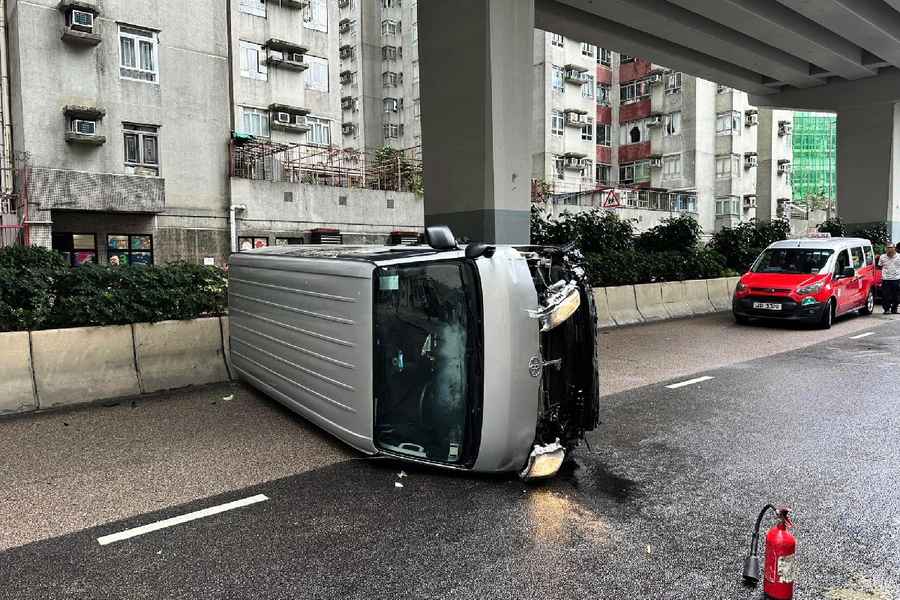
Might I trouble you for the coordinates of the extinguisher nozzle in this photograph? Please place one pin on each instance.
(751, 569)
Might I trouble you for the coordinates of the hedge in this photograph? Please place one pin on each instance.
(38, 290)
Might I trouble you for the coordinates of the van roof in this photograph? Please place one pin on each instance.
(821, 243)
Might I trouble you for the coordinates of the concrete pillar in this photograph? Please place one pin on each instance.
(476, 99)
(868, 166)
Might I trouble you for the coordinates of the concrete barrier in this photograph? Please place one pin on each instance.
(15, 373)
(674, 298)
(173, 354)
(623, 305)
(82, 364)
(718, 294)
(732, 283)
(650, 302)
(604, 320)
(696, 292)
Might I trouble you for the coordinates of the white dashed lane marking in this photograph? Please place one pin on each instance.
(191, 516)
(682, 384)
(862, 335)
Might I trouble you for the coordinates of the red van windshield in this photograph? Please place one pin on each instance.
(796, 261)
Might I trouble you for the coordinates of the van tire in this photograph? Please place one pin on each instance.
(870, 304)
(827, 318)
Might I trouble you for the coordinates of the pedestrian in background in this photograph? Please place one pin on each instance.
(890, 279)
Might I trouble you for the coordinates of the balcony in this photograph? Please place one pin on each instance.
(61, 189)
(575, 74)
(284, 54)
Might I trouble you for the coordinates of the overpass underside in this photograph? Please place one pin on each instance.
(477, 89)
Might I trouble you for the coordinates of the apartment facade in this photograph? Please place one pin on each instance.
(665, 143)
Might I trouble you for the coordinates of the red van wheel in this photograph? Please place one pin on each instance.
(869, 308)
(827, 318)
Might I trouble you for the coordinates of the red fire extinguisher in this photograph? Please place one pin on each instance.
(780, 565)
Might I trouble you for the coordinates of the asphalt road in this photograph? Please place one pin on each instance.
(662, 508)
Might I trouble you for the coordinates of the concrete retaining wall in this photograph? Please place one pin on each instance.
(675, 301)
(604, 319)
(61, 367)
(623, 305)
(650, 302)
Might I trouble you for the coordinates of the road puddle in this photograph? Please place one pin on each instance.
(860, 588)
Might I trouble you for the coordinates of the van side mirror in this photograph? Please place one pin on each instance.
(848, 272)
(440, 237)
(477, 249)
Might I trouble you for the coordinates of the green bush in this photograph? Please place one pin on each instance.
(632, 266)
(39, 291)
(672, 235)
(740, 245)
(592, 231)
(834, 226)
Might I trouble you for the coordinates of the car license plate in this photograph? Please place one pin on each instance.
(767, 305)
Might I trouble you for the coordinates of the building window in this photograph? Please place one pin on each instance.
(642, 170)
(391, 79)
(130, 249)
(138, 50)
(393, 130)
(728, 165)
(390, 27)
(671, 166)
(249, 243)
(587, 88)
(253, 7)
(633, 132)
(319, 131)
(557, 122)
(625, 58)
(141, 149)
(288, 241)
(587, 133)
(254, 121)
(728, 206)
(728, 123)
(603, 173)
(588, 49)
(392, 105)
(391, 52)
(673, 123)
(253, 61)
(557, 79)
(603, 134)
(634, 91)
(602, 94)
(76, 248)
(315, 15)
(673, 83)
(556, 40)
(604, 57)
(317, 74)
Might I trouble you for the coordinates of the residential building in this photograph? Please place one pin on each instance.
(665, 143)
(815, 157)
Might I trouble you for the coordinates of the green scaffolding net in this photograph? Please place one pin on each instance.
(813, 171)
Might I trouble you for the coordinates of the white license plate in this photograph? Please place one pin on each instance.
(767, 305)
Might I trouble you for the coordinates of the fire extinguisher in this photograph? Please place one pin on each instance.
(780, 566)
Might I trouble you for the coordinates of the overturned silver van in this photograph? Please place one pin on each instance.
(480, 358)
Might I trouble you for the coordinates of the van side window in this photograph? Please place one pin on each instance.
(842, 262)
(870, 255)
(858, 257)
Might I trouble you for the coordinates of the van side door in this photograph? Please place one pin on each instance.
(843, 285)
(858, 258)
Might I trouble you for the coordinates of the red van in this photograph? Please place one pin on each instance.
(810, 279)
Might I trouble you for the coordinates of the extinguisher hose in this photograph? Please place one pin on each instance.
(754, 541)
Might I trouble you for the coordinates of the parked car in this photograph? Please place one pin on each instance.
(810, 279)
(482, 358)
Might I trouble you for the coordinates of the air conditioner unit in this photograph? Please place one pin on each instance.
(784, 167)
(297, 57)
(343, 3)
(300, 120)
(655, 79)
(283, 117)
(655, 161)
(750, 161)
(344, 25)
(654, 121)
(785, 128)
(346, 77)
(348, 128)
(752, 119)
(347, 102)
(84, 127)
(749, 201)
(82, 20)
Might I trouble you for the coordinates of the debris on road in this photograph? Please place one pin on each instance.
(397, 484)
(401, 474)
(228, 398)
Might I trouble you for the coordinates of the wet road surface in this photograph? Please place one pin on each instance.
(662, 508)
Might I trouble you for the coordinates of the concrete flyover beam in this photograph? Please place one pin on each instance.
(838, 95)
(650, 302)
(674, 296)
(82, 364)
(173, 354)
(623, 305)
(870, 24)
(15, 373)
(572, 22)
(780, 27)
(698, 33)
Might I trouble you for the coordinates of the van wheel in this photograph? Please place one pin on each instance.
(827, 318)
(869, 308)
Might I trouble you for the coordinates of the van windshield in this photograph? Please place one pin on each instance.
(796, 261)
(427, 360)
